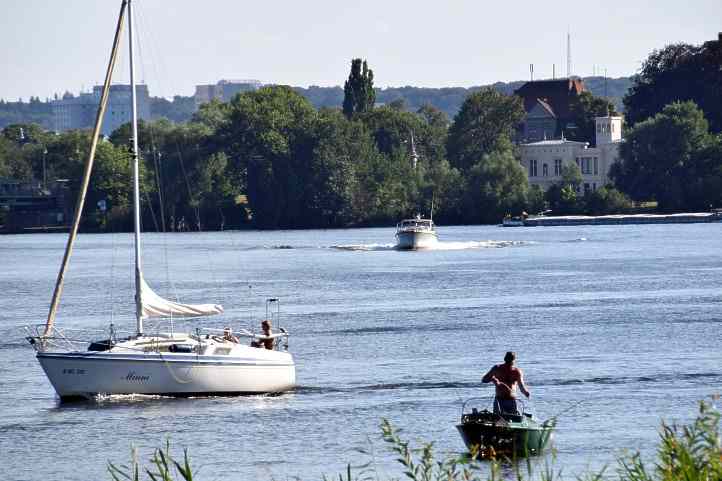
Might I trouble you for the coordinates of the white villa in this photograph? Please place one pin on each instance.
(544, 159)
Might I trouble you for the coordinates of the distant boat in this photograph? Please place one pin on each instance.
(506, 434)
(416, 233)
(515, 221)
(202, 362)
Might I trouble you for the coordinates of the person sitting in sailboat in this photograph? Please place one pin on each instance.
(228, 335)
(267, 339)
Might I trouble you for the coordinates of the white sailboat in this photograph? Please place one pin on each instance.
(204, 362)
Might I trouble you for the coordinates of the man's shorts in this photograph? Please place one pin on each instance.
(505, 406)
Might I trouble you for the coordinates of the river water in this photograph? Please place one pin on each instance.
(627, 319)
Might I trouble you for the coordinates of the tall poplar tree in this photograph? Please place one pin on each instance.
(358, 91)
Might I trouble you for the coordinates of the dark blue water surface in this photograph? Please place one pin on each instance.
(626, 318)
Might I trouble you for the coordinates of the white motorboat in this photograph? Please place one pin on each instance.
(204, 362)
(416, 233)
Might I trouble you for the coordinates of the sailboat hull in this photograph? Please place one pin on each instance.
(85, 374)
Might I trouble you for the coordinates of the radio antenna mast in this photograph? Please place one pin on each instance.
(569, 54)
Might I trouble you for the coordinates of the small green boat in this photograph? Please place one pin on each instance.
(507, 434)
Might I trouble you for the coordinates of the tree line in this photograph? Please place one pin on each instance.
(270, 159)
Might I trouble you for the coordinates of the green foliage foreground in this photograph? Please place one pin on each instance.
(685, 453)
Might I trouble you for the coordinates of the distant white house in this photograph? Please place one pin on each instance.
(544, 159)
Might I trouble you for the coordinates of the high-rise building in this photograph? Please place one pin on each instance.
(224, 90)
(79, 112)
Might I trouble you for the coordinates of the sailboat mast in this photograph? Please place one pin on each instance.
(136, 182)
(86, 174)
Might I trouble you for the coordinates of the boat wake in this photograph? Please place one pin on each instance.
(439, 246)
(364, 247)
(431, 385)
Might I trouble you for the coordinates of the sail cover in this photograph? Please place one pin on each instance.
(155, 306)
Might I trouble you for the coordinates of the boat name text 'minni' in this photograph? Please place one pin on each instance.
(133, 377)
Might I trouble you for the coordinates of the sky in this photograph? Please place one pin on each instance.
(49, 47)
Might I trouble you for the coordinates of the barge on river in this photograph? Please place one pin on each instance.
(618, 219)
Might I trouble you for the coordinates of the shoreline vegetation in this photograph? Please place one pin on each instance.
(269, 159)
(690, 452)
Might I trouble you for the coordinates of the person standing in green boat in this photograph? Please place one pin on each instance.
(506, 377)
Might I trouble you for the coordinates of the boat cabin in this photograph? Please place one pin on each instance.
(415, 224)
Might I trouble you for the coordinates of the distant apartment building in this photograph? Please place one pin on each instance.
(79, 112)
(547, 104)
(544, 159)
(224, 90)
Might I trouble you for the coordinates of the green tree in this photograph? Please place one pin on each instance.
(584, 108)
(495, 186)
(703, 182)
(536, 202)
(606, 200)
(562, 196)
(485, 121)
(340, 148)
(572, 176)
(358, 91)
(270, 143)
(678, 72)
(187, 176)
(214, 114)
(658, 156)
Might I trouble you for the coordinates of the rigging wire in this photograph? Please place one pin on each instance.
(156, 64)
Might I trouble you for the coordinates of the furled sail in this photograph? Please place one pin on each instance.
(155, 306)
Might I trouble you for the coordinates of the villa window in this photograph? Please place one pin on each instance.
(557, 167)
(596, 166)
(532, 168)
(545, 170)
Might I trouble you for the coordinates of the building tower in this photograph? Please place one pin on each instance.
(609, 129)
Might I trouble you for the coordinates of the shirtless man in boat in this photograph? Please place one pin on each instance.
(506, 377)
